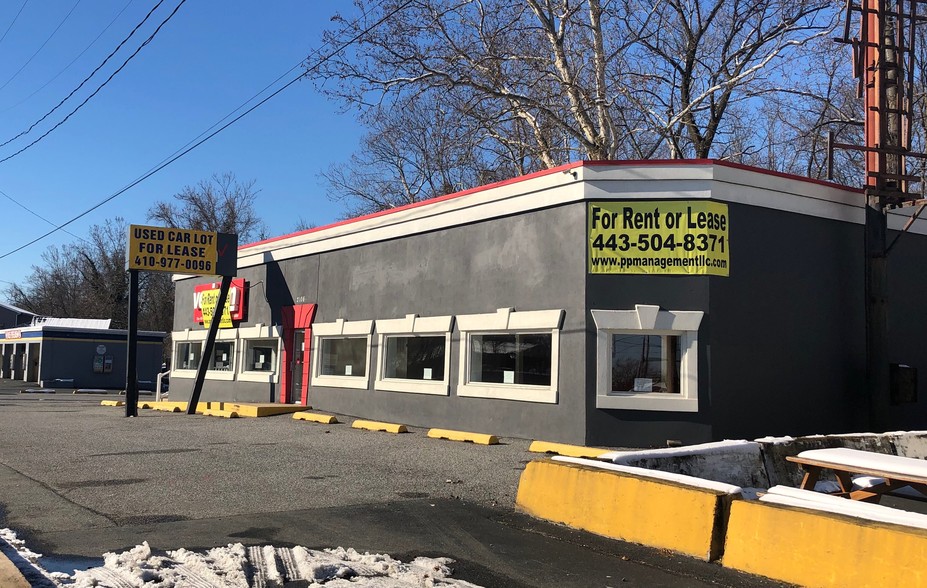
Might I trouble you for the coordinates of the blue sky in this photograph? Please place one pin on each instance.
(211, 57)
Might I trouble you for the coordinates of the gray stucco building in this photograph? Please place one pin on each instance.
(12, 316)
(76, 353)
(614, 303)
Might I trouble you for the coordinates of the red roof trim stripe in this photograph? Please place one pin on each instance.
(553, 170)
(412, 205)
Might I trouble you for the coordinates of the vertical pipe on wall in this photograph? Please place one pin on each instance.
(876, 313)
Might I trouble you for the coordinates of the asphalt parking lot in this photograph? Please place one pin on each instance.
(78, 479)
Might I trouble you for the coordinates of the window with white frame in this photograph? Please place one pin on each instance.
(414, 354)
(187, 355)
(342, 353)
(260, 355)
(510, 355)
(647, 359)
(223, 356)
(344, 356)
(645, 363)
(220, 364)
(260, 345)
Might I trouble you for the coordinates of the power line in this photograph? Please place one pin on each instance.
(101, 86)
(15, 18)
(34, 213)
(37, 51)
(183, 152)
(230, 114)
(73, 61)
(302, 62)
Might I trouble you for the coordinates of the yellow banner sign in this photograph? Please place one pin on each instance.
(181, 251)
(208, 301)
(667, 237)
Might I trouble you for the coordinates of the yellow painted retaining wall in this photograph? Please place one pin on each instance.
(657, 513)
(10, 576)
(819, 549)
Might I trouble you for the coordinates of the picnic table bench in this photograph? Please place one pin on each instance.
(895, 471)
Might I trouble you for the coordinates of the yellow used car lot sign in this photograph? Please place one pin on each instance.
(181, 251)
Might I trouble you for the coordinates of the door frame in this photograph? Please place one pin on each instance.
(296, 317)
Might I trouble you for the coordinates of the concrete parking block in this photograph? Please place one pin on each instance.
(478, 438)
(228, 414)
(260, 409)
(378, 426)
(568, 450)
(325, 419)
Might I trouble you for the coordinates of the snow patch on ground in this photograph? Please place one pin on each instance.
(26, 560)
(237, 566)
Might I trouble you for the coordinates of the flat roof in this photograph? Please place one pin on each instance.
(16, 309)
(37, 331)
(676, 179)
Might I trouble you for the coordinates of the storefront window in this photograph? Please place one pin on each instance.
(511, 358)
(647, 358)
(415, 358)
(646, 363)
(223, 355)
(188, 355)
(344, 357)
(261, 355)
(510, 355)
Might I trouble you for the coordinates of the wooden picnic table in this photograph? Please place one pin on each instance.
(895, 471)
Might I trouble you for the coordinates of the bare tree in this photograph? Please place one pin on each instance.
(220, 204)
(88, 279)
(530, 84)
(816, 96)
(52, 289)
(691, 61)
(918, 166)
(414, 150)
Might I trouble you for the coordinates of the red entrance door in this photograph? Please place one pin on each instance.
(297, 337)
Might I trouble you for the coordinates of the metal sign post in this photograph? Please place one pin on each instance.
(210, 345)
(132, 355)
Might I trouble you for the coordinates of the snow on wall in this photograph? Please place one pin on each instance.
(910, 444)
(788, 496)
(654, 474)
(762, 463)
(739, 463)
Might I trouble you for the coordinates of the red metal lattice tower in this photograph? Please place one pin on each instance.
(883, 63)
